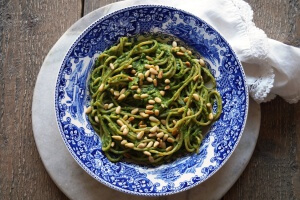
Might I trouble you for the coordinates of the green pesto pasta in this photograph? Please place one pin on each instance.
(151, 100)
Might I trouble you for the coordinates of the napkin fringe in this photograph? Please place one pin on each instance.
(261, 88)
(257, 52)
(259, 47)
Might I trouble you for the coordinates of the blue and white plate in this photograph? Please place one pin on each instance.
(72, 96)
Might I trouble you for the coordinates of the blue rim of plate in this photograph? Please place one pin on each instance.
(209, 171)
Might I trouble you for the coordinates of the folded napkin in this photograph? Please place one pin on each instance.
(272, 68)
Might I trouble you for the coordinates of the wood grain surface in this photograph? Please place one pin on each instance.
(28, 30)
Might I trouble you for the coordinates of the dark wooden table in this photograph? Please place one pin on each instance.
(29, 28)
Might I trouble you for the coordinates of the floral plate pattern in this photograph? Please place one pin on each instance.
(72, 96)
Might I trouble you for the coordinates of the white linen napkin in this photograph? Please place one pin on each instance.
(272, 68)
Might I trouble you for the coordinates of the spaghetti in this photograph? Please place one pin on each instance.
(151, 100)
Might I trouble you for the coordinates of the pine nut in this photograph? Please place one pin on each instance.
(116, 93)
(167, 87)
(156, 67)
(174, 44)
(140, 135)
(143, 96)
(136, 96)
(134, 87)
(167, 81)
(196, 97)
(153, 119)
(144, 115)
(116, 137)
(149, 107)
(141, 76)
(155, 82)
(160, 74)
(171, 140)
(129, 145)
(112, 91)
(133, 71)
(152, 135)
(147, 153)
(147, 73)
(124, 142)
(141, 145)
(149, 144)
(169, 148)
(131, 119)
(186, 99)
(210, 116)
(123, 127)
(139, 90)
(125, 131)
(189, 112)
(156, 112)
(182, 49)
(156, 143)
(142, 125)
(112, 144)
(157, 100)
(88, 110)
(105, 106)
(121, 97)
(118, 109)
(96, 119)
(208, 105)
(134, 111)
(153, 129)
(174, 122)
(196, 78)
(202, 63)
(162, 93)
(165, 137)
(111, 66)
(151, 101)
(149, 58)
(149, 112)
(160, 134)
(149, 79)
(110, 105)
(189, 52)
(153, 71)
(129, 66)
(120, 123)
(123, 91)
(179, 53)
(101, 88)
(188, 64)
(147, 66)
